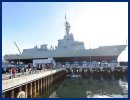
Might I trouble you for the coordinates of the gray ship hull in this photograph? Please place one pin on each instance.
(107, 53)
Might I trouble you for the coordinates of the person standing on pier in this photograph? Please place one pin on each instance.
(13, 72)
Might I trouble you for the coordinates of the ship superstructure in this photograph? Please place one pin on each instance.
(68, 50)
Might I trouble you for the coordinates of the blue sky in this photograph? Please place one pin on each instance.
(37, 23)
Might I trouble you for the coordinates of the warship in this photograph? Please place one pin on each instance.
(68, 50)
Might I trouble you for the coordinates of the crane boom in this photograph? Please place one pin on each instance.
(17, 47)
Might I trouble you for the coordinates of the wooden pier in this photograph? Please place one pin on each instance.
(99, 72)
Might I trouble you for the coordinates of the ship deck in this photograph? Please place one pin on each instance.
(72, 59)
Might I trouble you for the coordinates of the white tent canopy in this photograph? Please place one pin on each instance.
(44, 61)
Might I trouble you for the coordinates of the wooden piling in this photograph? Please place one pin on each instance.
(20, 88)
(30, 90)
(38, 86)
(26, 90)
(35, 89)
(12, 93)
(41, 86)
(45, 83)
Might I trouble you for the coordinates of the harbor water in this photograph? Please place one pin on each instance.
(88, 88)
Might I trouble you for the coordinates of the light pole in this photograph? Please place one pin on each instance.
(90, 53)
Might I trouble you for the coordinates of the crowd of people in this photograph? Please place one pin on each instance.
(24, 70)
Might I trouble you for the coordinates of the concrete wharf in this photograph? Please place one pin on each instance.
(30, 85)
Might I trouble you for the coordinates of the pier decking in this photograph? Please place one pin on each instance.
(41, 80)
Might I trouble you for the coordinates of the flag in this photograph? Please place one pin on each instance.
(65, 16)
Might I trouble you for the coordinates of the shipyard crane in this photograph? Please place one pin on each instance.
(17, 47)
(18, 50)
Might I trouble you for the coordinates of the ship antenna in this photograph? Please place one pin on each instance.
(67, 26)
(65, 17)
(126, 41)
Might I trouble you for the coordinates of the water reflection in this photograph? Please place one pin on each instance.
(89, 88)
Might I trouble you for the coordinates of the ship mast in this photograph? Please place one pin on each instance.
(67, 26)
